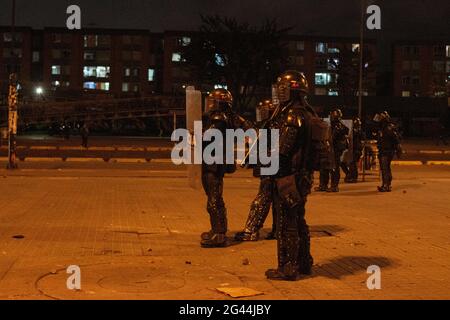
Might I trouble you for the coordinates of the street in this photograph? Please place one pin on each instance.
(133, 229)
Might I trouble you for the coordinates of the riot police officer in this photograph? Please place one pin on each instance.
(294, 178)
(339, 134)
(388, 142)
(220, 116)
(260, 207)
(356, 151)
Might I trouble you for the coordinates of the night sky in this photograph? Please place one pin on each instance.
(401, 19)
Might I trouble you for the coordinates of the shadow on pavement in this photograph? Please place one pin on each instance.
(345, 266)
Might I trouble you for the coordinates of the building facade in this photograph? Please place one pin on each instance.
(127, 63)
(89, 62)
(421, 69)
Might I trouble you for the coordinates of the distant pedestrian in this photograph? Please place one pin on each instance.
(84, 131)
(66, 131)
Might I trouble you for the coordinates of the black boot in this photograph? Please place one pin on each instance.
(333, 189)
(321, 188)
(288, 273)
(247, 236)
(218, 240)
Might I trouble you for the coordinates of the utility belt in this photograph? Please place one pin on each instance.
(294, 189)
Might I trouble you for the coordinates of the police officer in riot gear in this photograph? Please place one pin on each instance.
(339, 144)
(219, 116)
(294, 178)
(388, 142)
(356, 151)
(260, 207)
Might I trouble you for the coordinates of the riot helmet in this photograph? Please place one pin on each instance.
(290, 83)
(219, 98)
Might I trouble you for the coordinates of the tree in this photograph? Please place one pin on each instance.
(244, 58)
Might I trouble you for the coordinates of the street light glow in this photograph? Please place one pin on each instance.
(39, 90)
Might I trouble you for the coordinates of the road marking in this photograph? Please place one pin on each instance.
(158, 149)
(46, 148)
(85, 160)
(102, 149)
(431, 151)
(130, 149)
(128, 160)
(70, 148)
(37, 159)
(438, 163)
(407, 163)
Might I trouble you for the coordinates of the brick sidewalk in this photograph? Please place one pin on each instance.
(138, 238)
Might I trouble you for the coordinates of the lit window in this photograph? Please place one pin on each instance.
(447, 51)
(56, 83)
(103, 86)
(56, 70)
(221, 86)
(321, 47)
(333, 93)
(125, 87)
(185, 41)
(89, 85)
(406, 93)
(176, 57)
(96, 71)
(333, 50)
(323, 79)
(220, 61)
(448, 67)
(151, 74)
(355, 47)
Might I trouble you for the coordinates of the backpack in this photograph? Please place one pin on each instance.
(318, 152)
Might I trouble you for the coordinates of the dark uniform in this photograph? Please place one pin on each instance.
(293, 180)
(220, 116)
(388, 141)
(340, 143)
(260, 207)
(356, 150)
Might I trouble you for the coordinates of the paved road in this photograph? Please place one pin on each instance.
(135, 234)
(146, 148)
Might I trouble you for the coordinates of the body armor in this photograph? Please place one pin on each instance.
(340, 143)
(221, 117)
(260, 207)
(356, 150)
(388, 141)
(293, 181)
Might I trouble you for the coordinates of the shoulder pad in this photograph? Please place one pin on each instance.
(218, 116)
(294, 118)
